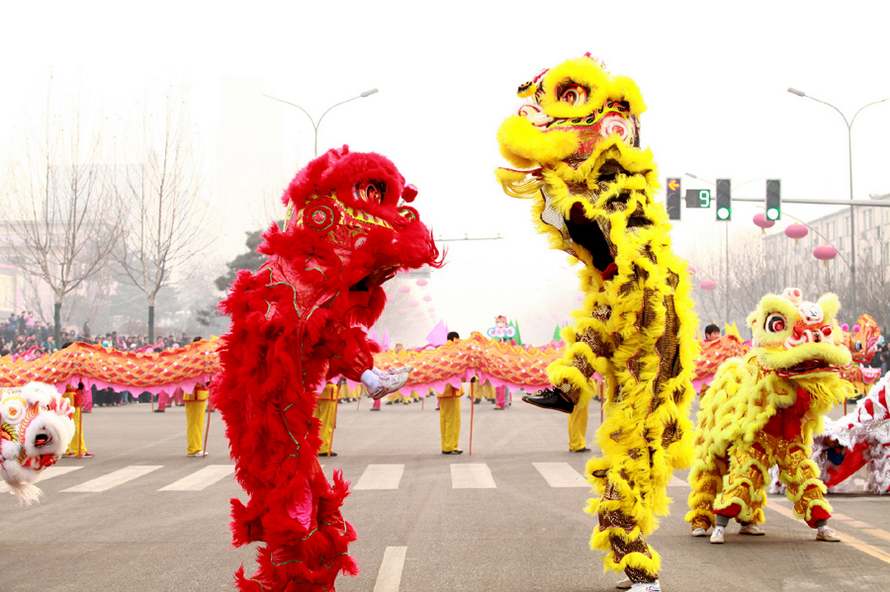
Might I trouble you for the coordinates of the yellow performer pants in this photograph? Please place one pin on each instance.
(449, 418)
(194, 425)
(744, 496)
(78, 445)
(578, 423)
(326, 412)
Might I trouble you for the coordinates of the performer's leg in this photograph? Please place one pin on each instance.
(578, 425)
(706, 483)
(805, 488)
(444, 424)
(454, 433)
(194, 416)
(744, 492)
(324, 411)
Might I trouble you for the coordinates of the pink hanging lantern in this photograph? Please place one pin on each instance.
(796, 231)
(414, 303)
(404, 289)
(825, 253)
(422, 282)
(707, 285)
(427, 298)
(763, 222)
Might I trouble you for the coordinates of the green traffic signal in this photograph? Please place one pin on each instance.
(773, 214)
(724, 213)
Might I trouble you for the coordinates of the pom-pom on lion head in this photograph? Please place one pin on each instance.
(795, 337)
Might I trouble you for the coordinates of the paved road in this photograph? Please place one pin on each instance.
(141, 516)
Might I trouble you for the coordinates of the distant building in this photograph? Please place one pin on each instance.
(872, 244)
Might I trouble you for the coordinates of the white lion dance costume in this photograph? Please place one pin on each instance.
(35, 431)
(860, 438)
(577, 142)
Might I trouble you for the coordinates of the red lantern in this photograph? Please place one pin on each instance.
(707, 285)
(796, 231)
(763, 222)
(825, 253)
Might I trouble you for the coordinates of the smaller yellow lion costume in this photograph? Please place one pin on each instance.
(763, 410)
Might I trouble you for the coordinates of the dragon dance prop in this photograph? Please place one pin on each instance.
(94, 365)
(763, 409)
(713, 354)
(35, 430)
(577, 143)
(297, 321)
(501, 363)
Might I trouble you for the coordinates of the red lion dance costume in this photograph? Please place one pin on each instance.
(297, 321)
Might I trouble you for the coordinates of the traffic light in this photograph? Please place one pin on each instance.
(672, 198)
(773, 199)
(724, 200)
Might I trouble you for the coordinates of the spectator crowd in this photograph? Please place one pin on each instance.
(23, 333)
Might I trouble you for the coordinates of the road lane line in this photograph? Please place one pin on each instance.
(389, 577)
(200, 479)
(471, 476)
(48, 473)
(380, 477)
(846, 538)
(560, 474)
(677, 482)
(113, 479)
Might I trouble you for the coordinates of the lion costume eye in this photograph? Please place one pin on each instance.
(775, 323)
(370, 191)
(12, 411)
(572, 93)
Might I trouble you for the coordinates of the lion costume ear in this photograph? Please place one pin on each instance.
(830, 305)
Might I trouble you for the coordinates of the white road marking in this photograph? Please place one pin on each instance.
(48, 473)
(471, 476)
(381, 477)
(677, 482)
(560, 474)
(200, 479)
(113, 479)
(389, 577)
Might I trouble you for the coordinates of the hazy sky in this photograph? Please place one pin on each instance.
(714, 79)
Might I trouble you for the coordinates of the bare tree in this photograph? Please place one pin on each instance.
(63, 212)
(163, 227)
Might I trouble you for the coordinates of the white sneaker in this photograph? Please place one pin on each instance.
(827, 535)
(646, 587)
(752, 530)
(624, 584)
(699, 532)
(384, 384)
(718, 536)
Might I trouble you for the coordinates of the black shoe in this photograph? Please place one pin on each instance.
(550, 399)
(327, 454)
(457, 452)
(585, 449)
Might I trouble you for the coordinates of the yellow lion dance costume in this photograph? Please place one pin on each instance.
(763, 410)
(577, 141)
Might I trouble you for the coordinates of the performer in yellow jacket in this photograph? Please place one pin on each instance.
(326, 413)
(78, 445)
(195, 408)
(449, 414)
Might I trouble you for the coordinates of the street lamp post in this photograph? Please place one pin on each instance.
(849, 123)
(317, 123)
